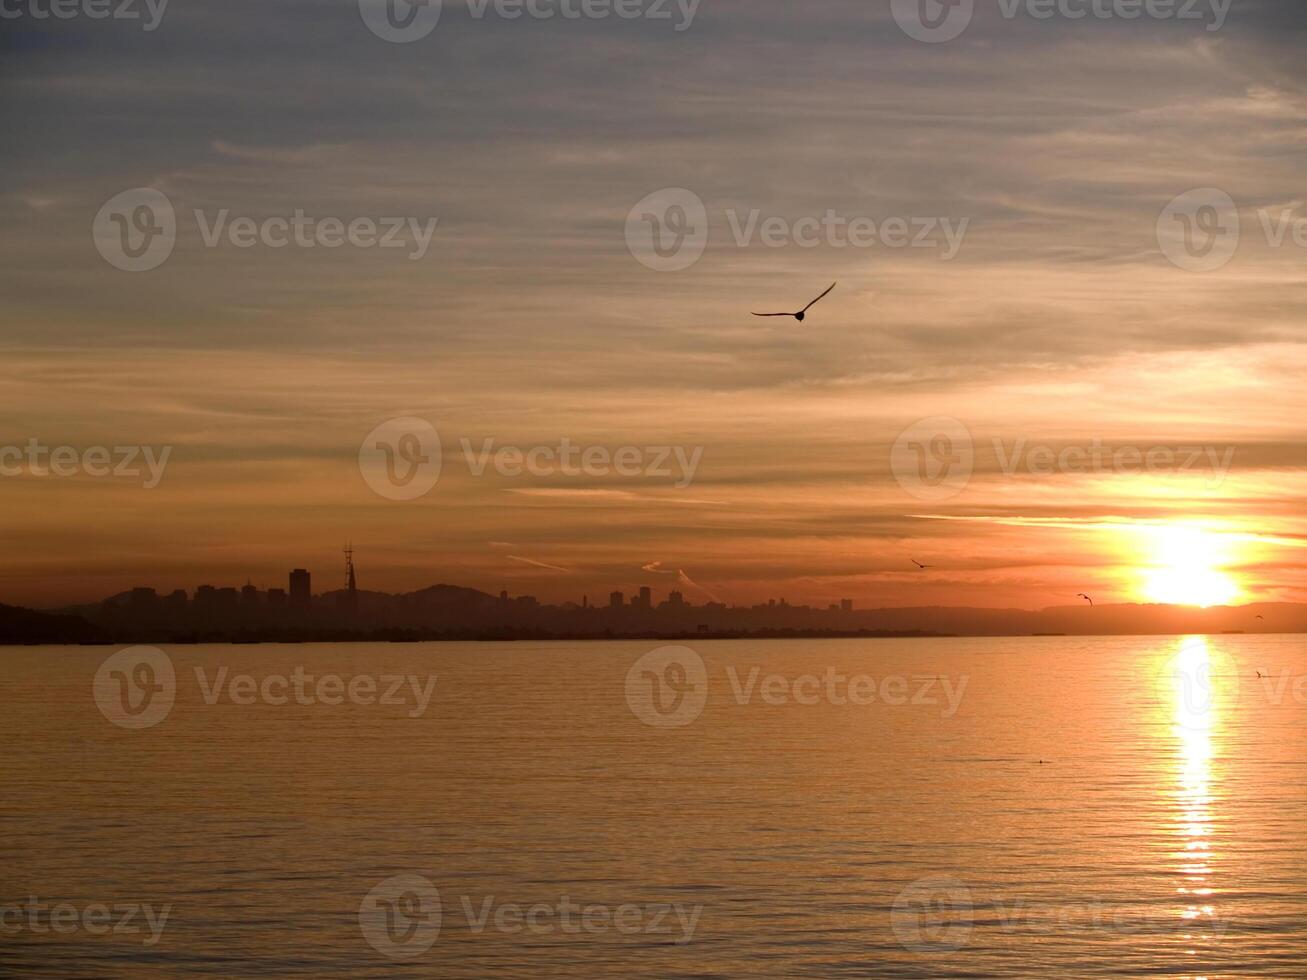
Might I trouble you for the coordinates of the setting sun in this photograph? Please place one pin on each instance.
(1186, 567)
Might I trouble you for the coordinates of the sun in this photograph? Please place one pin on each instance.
(1186, 567)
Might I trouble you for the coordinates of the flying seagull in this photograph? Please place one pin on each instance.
(920, 565)
(803, 312)
(1086, 598)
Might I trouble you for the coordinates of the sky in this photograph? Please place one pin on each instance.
(1028, 378)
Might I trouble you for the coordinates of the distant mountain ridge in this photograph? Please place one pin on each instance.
(22, 626)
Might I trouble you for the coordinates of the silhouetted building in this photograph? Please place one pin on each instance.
(249, 595)
(277, 598)
(646, 598)
(206, 599)
(616, 600)
(300, 588)
(846, 605)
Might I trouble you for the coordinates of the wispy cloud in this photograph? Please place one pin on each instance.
(538, 564)
(529, 320)
(655, 567)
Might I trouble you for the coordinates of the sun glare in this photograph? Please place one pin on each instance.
(1186, 567)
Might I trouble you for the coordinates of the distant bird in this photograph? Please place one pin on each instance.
(802, 314)
(1259, 676)
(1262, 618)
(1086, 598)
(920, 565)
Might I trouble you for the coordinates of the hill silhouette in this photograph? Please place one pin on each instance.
(23, 626)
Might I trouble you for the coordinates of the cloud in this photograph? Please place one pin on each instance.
(538, 564)
(655, 567)
(555, 493)
(1059, 320)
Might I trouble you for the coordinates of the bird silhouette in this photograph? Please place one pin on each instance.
(920, 565)
(1086, 598)
(803, 313)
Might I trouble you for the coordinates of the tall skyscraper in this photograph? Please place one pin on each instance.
(300, 588)
(349, 599)
(646, 597)
(206, 599)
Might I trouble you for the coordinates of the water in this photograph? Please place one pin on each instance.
(1160, 836)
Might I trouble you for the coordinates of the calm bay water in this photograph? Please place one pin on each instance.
(915, 808)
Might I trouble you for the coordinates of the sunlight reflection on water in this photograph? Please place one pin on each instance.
(1083, 806)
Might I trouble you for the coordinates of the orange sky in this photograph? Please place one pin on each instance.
(1060, 322)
